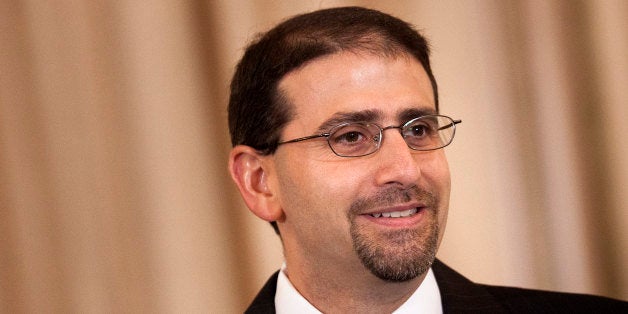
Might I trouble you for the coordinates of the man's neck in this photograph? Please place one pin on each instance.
(350, 290)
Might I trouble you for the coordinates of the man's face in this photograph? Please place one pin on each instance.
(384, 212)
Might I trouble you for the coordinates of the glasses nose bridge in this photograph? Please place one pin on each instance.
(398, 127)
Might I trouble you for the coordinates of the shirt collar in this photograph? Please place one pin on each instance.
(425, 299)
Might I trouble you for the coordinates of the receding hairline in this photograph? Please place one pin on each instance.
(373, 42)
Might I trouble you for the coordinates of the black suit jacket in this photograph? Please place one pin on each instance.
(460, 295)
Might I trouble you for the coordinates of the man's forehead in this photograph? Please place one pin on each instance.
(349, 87)
(347, 57)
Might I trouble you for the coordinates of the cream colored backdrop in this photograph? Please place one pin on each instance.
(114, 194)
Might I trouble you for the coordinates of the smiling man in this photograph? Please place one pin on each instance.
(338, 142)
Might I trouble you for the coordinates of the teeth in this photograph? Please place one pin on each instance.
(396, 214)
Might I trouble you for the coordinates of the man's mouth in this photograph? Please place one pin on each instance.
(396, 214)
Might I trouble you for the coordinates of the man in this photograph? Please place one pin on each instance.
(338, 141)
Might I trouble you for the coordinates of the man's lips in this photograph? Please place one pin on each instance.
(396, 211)
(396, 217)
(396, 214)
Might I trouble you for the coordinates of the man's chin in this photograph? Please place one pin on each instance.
(392, 262)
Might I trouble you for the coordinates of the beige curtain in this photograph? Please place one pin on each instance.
(114, 194)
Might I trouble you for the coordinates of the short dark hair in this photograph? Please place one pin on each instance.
(258, 111)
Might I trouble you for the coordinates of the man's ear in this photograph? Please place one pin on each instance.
(250, 170)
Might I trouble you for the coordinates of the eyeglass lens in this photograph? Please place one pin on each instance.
(424, 133)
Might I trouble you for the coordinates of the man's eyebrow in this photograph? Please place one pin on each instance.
(371, 116)
(347, 117)
(411, 113)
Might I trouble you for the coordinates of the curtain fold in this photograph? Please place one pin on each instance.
(114, 190)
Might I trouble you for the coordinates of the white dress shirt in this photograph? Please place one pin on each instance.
(426, 298)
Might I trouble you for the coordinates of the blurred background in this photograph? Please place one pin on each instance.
(114, 193)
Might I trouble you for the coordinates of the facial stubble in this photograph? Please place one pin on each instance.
(396, 255)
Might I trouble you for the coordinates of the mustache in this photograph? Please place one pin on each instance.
(393, 196)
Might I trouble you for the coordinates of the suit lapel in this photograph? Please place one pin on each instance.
(459, 294)
(264, 302)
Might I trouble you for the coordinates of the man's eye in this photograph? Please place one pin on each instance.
(350, 137)
(419, 130)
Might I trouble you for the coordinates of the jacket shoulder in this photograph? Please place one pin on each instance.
(521, 300)
(460, 295)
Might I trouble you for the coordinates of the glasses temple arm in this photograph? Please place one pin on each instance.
(305, 138)
(450, 125)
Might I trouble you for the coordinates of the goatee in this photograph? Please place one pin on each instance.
(398, 255)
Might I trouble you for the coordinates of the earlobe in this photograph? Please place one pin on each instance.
(250, 171)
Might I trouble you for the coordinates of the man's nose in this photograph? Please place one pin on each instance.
(396, 162)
